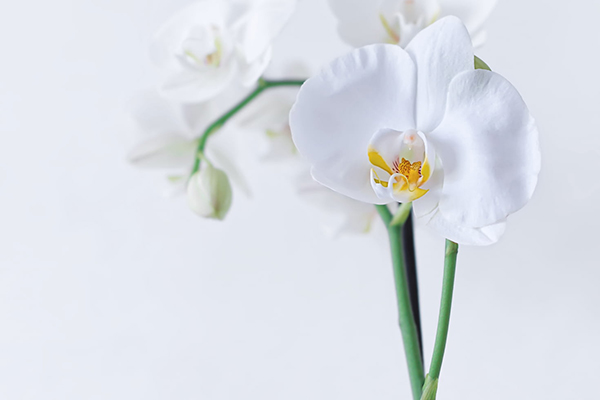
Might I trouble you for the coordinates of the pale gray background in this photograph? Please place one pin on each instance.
(110, 291)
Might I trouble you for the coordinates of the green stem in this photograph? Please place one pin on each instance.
(445, 307)
(218, 124)
(408, 326)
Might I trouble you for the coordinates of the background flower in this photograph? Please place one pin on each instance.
(212, 44)
(397, 21)
(167, 139)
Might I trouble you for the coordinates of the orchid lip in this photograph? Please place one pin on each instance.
(400, 164)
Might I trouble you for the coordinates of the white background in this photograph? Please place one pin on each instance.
(110, 291)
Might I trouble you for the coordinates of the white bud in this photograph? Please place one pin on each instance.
(209, 192)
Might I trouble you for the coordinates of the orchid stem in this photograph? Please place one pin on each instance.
(410, 259)
(445, 309)
(219, 123)
(406, 318)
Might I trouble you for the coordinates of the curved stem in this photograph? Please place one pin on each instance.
(445, 307)
(405, 315)
(218, 124)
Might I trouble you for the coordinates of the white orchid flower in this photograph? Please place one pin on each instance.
(383, 124)
(363, 22)
(213, 44)
(167, 139)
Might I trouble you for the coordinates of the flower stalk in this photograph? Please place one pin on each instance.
(431, 384)
(406, 318)
(219, 123)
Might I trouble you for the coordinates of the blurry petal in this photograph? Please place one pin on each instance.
(340, 214)
(222, 151)
(190, 86)
(166, 151)
(255, 31)
(359, 23)
(250, 73)
(168, 39)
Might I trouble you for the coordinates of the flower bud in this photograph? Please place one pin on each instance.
(209, 192)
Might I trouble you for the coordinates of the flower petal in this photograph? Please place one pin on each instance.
(441, 51)
(488, 145)
(339, 110)
(466, 235)
(168, 39)
(250, 73)
(338, 214)
(223, 152)
(257, 28)
(190, 86)
(473, 13)
(359, 23)
(165, 151)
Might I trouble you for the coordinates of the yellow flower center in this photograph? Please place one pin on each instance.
(411, 171)
(408, 176)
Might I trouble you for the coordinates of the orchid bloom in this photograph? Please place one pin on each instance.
(398, 21)
(213, 44)
(168, 139)
(383, 124)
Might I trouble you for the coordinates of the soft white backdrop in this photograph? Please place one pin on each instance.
(110, 291)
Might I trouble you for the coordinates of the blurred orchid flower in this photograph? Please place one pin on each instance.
(383, 124)
(269, 116)
(169, 138)
(213, 44)
(363, 22)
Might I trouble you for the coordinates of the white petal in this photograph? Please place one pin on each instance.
(479, 38)
(488, 145)
(250, 73)
(473, 13)
(221, 149)
(190, 86)
(466, 235)
(259, 25)
(359, 23)
(166, 151)
(339, 214)
(168, 39)
(339, 110)
(441, 51)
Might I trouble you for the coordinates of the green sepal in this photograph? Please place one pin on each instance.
(480, 64)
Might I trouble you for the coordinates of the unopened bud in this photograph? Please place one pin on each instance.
(209, 192)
